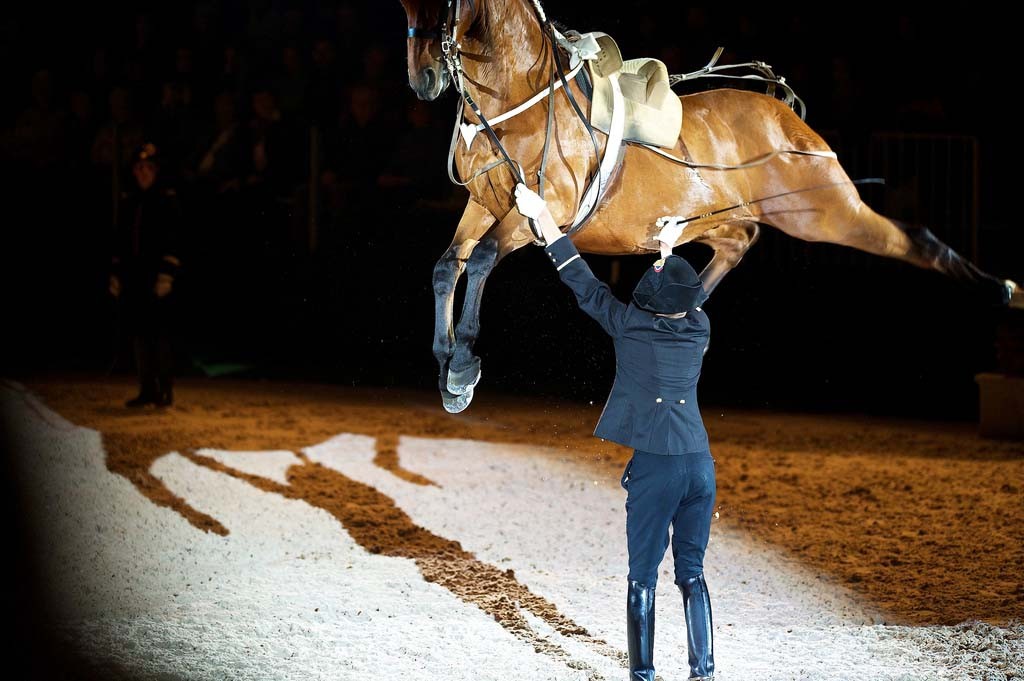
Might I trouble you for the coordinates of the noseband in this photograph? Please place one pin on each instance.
(441, 31)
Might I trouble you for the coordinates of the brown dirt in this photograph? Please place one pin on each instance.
(374, 521)
(922, 519)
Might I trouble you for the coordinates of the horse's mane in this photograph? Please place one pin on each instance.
(562, 28)
(482, 26)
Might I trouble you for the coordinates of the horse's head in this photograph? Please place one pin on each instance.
(427, 19)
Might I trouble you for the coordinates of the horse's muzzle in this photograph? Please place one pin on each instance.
(430, 83)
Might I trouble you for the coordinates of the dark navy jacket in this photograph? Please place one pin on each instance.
(653, 402)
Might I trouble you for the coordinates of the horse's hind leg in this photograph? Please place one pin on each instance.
(730, 242)
(837, 215)
(931, 252)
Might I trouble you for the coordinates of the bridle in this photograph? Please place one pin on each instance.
(440, 29)
(444, 31)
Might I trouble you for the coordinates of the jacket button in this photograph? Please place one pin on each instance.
(682, 401)
(658, 399)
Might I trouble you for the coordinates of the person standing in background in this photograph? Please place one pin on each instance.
(144, 265)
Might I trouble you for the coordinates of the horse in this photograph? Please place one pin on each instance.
(505, 57)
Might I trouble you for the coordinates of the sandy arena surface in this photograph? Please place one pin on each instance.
(271, 530)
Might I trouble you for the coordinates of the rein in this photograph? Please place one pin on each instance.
(760, 160)
(451, 54)
(553, 36)
(744, 204)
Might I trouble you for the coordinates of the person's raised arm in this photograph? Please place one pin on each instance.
(593, 295)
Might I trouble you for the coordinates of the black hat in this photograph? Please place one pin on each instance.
(669, 286)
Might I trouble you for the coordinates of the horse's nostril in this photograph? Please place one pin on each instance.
(431, 77)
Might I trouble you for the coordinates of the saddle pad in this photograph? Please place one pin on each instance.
(654, 113)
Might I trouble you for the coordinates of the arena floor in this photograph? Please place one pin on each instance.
(276, 530)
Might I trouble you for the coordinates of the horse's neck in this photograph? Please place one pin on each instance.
(501, 53)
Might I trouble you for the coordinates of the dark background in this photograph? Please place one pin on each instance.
(919, 99)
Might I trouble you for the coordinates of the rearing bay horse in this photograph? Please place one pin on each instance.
(507, 58)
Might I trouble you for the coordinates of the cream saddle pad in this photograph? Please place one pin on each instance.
(653, 113)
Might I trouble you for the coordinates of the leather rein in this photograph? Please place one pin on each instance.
(452, 56)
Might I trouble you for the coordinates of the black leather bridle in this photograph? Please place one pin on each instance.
(441, 29)
(445, 32)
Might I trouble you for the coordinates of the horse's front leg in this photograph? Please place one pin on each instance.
(475, 222)
(510, 234)
(464, 370)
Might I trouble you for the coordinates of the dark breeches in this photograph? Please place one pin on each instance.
(676, 491)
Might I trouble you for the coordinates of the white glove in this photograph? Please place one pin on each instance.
(672, 229)
(529, 202)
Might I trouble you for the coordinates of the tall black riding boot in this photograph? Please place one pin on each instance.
(164, 367)
(640, 631)
(145, 366)
(164, 392)
(697, 609)
(147, 394)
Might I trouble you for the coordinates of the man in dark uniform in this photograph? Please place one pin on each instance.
(143, 268)
(660, 338)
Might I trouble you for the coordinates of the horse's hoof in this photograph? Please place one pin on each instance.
(1016, 295)
(453, 404)
(462, 382)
